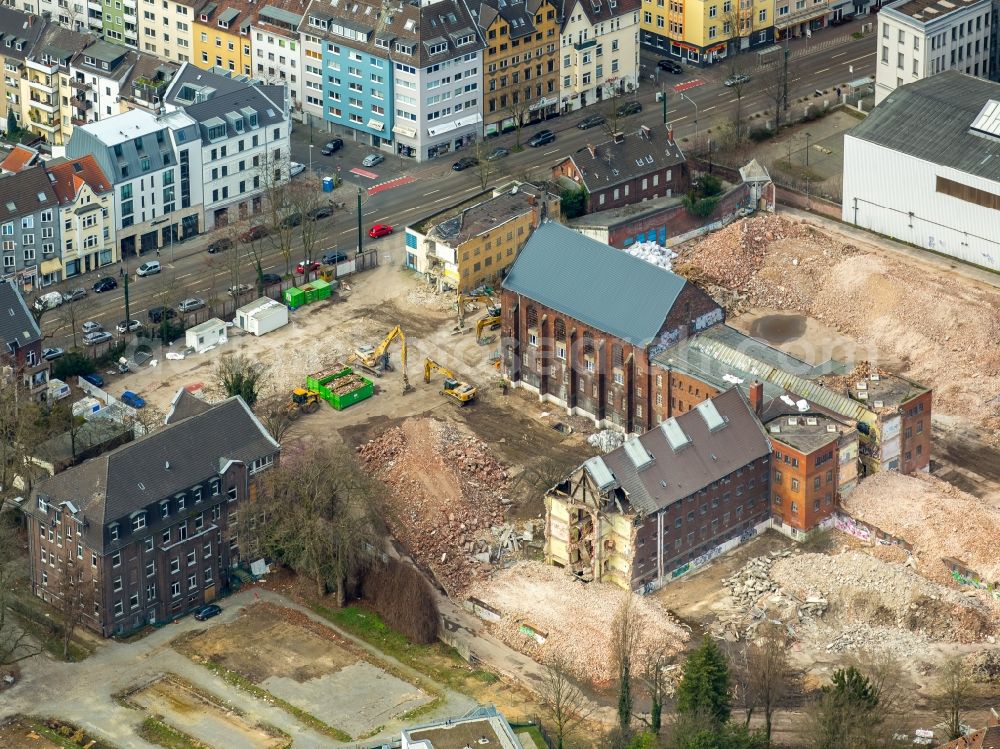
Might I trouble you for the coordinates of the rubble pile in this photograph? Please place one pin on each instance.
(606, 440)
(842, 383)
(985, 666)
(446, 494)
(424, 296)
(938, 519)
(346, 384)
(574, 618)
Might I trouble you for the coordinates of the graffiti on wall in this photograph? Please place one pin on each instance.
(665, 340)
(961, 579)
(708, 319)
(850, 526)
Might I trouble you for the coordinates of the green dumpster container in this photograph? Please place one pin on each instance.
(310, 293)
(323, 289)
(294, 297)
(321, 380)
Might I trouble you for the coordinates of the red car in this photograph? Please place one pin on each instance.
(379, 230)
(311, 265)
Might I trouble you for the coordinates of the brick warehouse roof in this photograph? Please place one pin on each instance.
(594, 283)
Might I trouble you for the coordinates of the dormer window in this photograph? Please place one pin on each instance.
(253, 120)
(113, 531)
(180, 501)
(197, 494)
(165, 508)
(139, 522)
(43, 506)
(216, 486)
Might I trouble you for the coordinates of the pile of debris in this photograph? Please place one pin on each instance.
(446, 494)
(843, 383)
(985, 666)
(606, 440)
(546, 613)
(346, 384)
(424, 296)
(652, 253)
(753, 582)
(938, 519)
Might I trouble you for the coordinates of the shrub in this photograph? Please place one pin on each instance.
(72, 364)
(404, 600)
(758, 134)
(700, 207)
(573, 202)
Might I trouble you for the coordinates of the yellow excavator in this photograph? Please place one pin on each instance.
(492, 305)
(493, 321)
(463, 392)
(303, 401)
(375, 359)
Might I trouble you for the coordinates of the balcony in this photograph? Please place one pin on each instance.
(94, 5)
(43, 82)
(46, 123)
(46, 104)
(80, 85)
(77, 121)
(80, 104)
(586, 44)
(48, 68)
(148, 91)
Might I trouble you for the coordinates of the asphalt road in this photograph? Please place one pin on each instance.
(829, 59)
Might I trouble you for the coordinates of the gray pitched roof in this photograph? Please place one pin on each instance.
(15, 27)
(710, 454)
(184, 405)
(637, 154)
(594, 283)
(177, 457)
(16, 321)
(931, 118)
(450, 21)
(25, 193)
(225, 95)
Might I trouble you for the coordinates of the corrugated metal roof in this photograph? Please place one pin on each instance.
(594, 283)
(931, 120)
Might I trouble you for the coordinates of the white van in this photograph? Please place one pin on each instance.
(48, 301)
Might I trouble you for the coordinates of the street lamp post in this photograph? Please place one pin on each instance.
(311, 146)
(808, 136)
(697, 131)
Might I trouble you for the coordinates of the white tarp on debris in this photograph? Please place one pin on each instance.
(653, 253)
(606, 440)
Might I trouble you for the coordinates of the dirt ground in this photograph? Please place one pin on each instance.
(16, 734)
(189, 712)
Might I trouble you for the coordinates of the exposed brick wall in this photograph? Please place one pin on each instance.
(915, 445)
(674, 179)
(795, 199)
(804, 486)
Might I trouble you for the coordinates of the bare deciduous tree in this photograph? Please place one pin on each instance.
(75, 598)
(275, 416)
(767, 663)
(625, 635)
(952, 691)
(517, 108)
(655, 677)
(566, 705)
(15, 643)
(239, 374)
(485, 169)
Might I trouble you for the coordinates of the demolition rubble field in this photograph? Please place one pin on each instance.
(574, 618)
(446, 494)
(944, 329)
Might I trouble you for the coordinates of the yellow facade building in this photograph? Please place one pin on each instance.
(706, 32)
(222, 36)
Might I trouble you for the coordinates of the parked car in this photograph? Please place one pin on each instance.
(332, 146)
(132, 399)
(148, 268)
(73, 295)
(295, 169)
(670, 66)
(48, 301)
(736, 79)
(105, 284)
(498, 153)
(92, 339)
(379, 230)
(630, 107)
(52, 353)
(239, 289)
(846, 18)
(292, 219)
(208, 612)
(373, 159)
(464, 163)
(541, 138)
(191, 304)
(592, 121)
(323, 211)
(158, 314)
(94, 379)
(92, 327)
(307, 265)
(130, 327)
(270, 279)
(219, 245)
(332, 258)
(254, 232)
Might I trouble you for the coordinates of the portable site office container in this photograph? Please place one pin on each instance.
(203, 337)
(262, 316)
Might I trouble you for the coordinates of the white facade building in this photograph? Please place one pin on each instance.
(276, 51)
(599, 49)
(243, 131)
(924, 168)
(921, 38)
(446, 77)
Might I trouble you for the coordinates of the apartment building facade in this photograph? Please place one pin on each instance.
(166, 29)
(154, 163)
(21, 342)
(276, 50)
(18, 34)
(600, 51)
(86, 202)
(222, 36)
(29, 227)
(243, 131)
(595, 361)
(520, 61)
(705, 32)
(149, 529)
(921, 38)
(438, 95)
(45, 91)
(637, 516)
(97, 75)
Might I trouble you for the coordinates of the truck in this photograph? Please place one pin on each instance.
(48, 301)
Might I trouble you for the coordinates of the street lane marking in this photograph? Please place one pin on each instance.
(546, 153)
(860, 58)
(709, 109)
(431, 192)
(834, 57)
(732, 100)
(370, 213)
(678, 119)
(184, 276)
(724, 93)
(441, 200)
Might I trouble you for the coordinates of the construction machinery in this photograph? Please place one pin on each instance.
(492, 305)
(490, 322)
(303, 401)
(463, 392)
(375, 359)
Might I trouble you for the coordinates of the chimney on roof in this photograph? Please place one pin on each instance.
(757, 398)
(619, 136)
